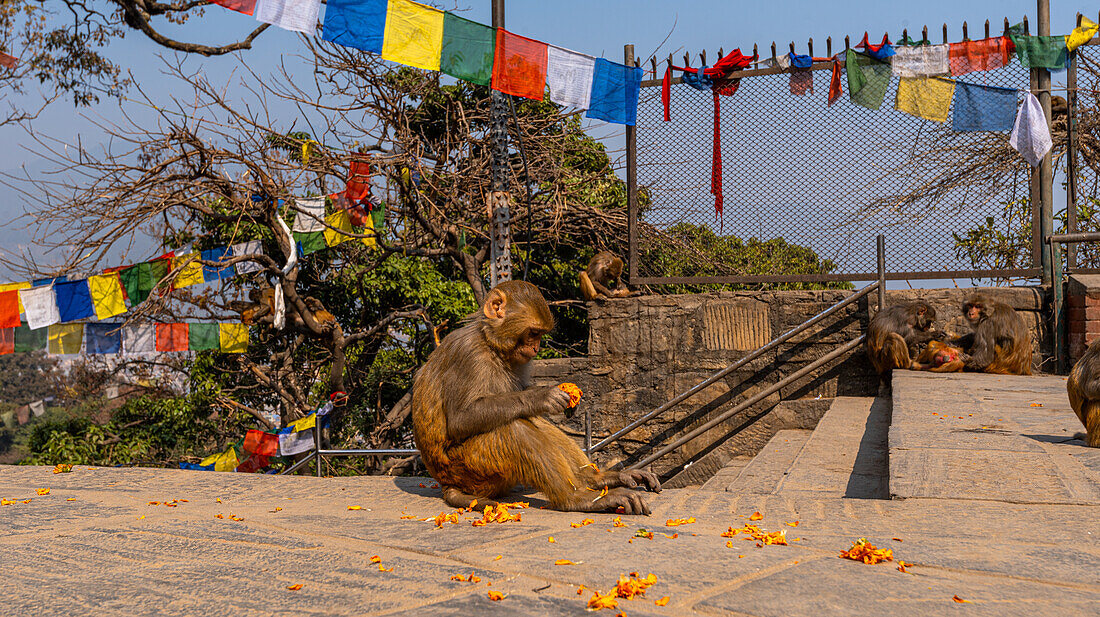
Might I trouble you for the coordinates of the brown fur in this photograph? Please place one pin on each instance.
(1001, 340)
(478, 421)
(894, 334)
(939, 357)
(604, 271)
(1083, 387)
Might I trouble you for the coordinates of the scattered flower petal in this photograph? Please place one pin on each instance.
(642, 533)
(62, 468)
(618, 522)
(867, 553)
(376, 559)
(673, 522)
(498, 557)
(756, 516)
(565, 562)
(382, 568)
(295, 587)
(42, 491)
(584, 522)
(598, 602)
(350, 508)
(958, 599)
(495, 596)
(552, 540)
(500, 514)
(573, 391)
(792, 524)
(663, 601)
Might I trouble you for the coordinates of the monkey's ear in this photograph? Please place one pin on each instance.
(495, 304)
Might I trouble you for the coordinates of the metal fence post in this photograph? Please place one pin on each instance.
(1071, 156)
(1046, 175)
(880, 249)
(631, 186)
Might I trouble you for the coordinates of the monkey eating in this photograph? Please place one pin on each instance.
(940, 357)
(1000, 342)
(1083, 387)
(604, 270)
(894, 335)
(480, 425)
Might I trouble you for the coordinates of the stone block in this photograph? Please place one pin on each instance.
(1075, 301)
(739, 324)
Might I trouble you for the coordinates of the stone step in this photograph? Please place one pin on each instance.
(766, 470)
(988, 437)
(846, 456)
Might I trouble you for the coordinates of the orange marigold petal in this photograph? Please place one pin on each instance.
(756, 516)
(663, 601)
(295, 587)
(495, 596)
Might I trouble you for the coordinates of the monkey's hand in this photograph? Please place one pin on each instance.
(636, 477)
(555, 400)
(624, 501)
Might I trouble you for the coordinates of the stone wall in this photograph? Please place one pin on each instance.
(643, 351)
(1082, 313)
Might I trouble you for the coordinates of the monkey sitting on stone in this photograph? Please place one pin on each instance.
(604, 271)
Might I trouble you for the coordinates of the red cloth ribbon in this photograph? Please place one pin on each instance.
(834, 83)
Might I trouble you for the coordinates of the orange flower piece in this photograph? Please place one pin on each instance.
(565, 562)
(552, 540)
(500, 514)
(642, 533)
(495, 596)
(234, 517)
(618, 522)
(218, 516)
(867, 553)
(792, 524)
(729, 543)
(598, 602)
(518, 505)
(295, 587)
(573, 391)
(153, 503)
(62, 468)
(71, 499)
(584, 522)
(633, 586)
(958, 599)
(458, 577)
(376, 559)
(756, 516)
(498, 557)
(902, 565)
(673, 522)
(42, 491)
(349, 508)
(1036, 404)
(581, 589)
(382, 568)
(663, 601)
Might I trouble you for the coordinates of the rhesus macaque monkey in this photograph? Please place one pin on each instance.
(1001, 341)
(479, 423)
(940, 357)
(895, 333)
(1083, 387)
(603, 270)
(261, 304)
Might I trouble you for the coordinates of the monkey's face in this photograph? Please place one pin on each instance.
(926, 316)
(974, 312)
(527, 346)
(615, 269)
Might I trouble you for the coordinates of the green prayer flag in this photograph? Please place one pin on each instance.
(1047, 52)
(467, 50)
(868, 79)
(203, 336)
(378, 217)
(139, 280)
(29, 340)
(310, 241)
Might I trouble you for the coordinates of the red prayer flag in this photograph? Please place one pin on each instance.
(7, 341)
(253, 463)
(241, 6)
(519, 66)
(983, 55)
(260, 442)
(358, 186)
(834, 83)
(9, 309)
(8, 61)
(172, 337)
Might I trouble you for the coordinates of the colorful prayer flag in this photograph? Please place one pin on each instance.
(297, 437)
(66, 338)
(1046, 52)
(222, 461)
(296, 15)
(8, 61)
(37, 407)
(103, 338)
(1031, 134)
(309, 242)
(214, 273)
(925, 97)
(615, 90)
(357, 187)
(140, 338)
(261, 442)
(74, 300)
(519, 66)
(203, 336)
(834, 83)
(311, 214)
(252, 247)
(922, 61)
(7, 340)
(241, 6)
(233, 338)
(881, 52)
(172, 337)
(356, 23)
(140, 280)
(414, 35)
(16, 287)
(569, 76)
(9, 308)
(40, 305)
(801, 82)
(106, 290)
(29, 340)
(23, 414)
(983, 108)
(189, 268)
(983, 55)
(467, 50)
(1081, 34)
(868, 80)
(338, 221)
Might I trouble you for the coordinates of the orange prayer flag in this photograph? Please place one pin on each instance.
(519, 66)
(172, 337)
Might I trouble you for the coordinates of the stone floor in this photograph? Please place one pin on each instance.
(999, 510)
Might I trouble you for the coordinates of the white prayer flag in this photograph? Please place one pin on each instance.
(569, 76)
(38, 408)
(297, 15)
(140, 338)
(1031, 135)
(295, 443)
(252, 247)
(311, 214)
(40, 306)
(920, 60)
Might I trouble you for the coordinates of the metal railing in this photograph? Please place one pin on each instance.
(318, 453)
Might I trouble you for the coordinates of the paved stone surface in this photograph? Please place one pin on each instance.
(766, 470)
(107, 552)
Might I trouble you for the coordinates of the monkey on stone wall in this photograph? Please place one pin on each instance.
(604, 271)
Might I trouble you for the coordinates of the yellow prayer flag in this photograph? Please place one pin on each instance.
(66, 338)
(191, 273)
(233, 338)
(1081, 34)
(222, 461)
(369, 229)
(338, 220)
(303, 424)
(925, 97)
(107, 295)
(11, 286)
(414, 35)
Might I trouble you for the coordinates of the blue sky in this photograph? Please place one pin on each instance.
(596, 27)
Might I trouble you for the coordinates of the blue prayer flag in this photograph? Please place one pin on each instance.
(44, 282)
(983, 108)
(194, 467)
(800, 61)
(74, 300)
(213, 273)
(615, 92)
(103, 338)
(356, 23)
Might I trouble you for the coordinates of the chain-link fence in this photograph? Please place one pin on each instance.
(813, 184)
(1083, 187)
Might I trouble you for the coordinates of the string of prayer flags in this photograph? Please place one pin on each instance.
(468, 49)
(1047, 52)
(309, 242)
(356, 23)
(65, 338)
(74, 300)
(241, 6)
(1081, 34)
(922, 61)
(800, 61)
(103, 338)
(9, 309)
(172, 337)
(16, 287)
(27, 340)
(413, 34)
(925, 97)
(107, 295)
(140, 338)
(232, 338)
(983, 108)
(337, 222)
(1030, 134)
(615, 89)
(357, 187)
(519, 65)
(38, 407)
(569, 77)
(222, 461)
(295, 15)
(868, 79)
(252, 247)
(23, 414)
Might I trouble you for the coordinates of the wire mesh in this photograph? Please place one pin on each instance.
(1086, 190)
(827, 178)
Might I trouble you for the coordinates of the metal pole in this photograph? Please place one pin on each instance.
(1061, 351)
(1046, 177)
(317, 443)
(880, 247)
(500, 236)
(1071, 155)
(587, 430)
(631, 186)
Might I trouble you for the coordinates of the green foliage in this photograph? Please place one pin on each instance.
(999, 243)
